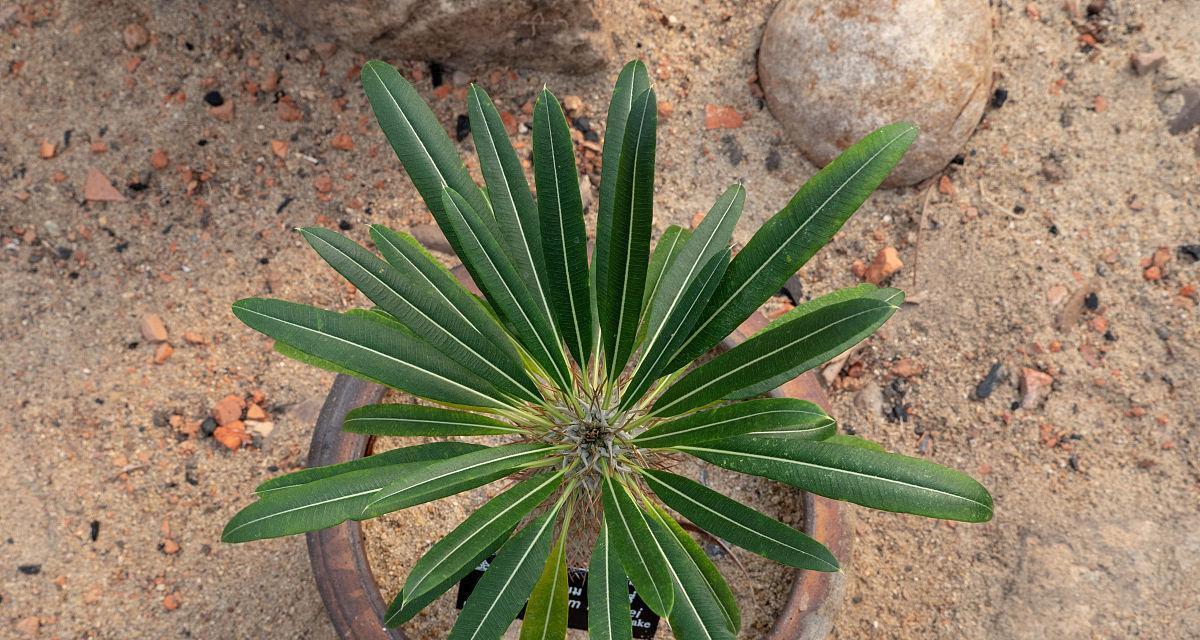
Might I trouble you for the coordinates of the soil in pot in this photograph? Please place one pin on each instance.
(395, 542)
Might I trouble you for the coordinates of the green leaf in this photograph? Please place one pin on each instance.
(454, 475)
(561, 214)
(413, 303)
(406, 420)
(403, 609)
(718, 590)
(697, 612)
(621, 260)
(505, 586)
(665, 251)
(457, 552)
(517, 221)
(792, 236)
(420, 142)
(675, 330)
(362, 346)
(874, 479)
(764, 416)
(608, 592)
(417, 453)
(894, 297)
(792, 347)
(632, 82)
(502, 285)
(546, 613)
(733, 521)
(324, 502)
(414, 262)
(711, 237)
(629, 533)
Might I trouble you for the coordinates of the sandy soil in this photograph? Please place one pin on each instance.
(112, 511)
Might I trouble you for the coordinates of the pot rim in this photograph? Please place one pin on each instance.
(356, 606)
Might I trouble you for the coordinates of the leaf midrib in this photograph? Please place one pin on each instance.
(709, 425)
(471, 467)
(722, 516)
(764, 356)
(471, 536)
(836, 470)
(633, 191)
(746, 282)
(524, 556)
(377, 352)
(562, 234)
(407, 123)
(486, 361)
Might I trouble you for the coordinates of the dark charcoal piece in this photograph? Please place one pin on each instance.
(1092, 301)
(208, 426)
(214, 98)
(999, 97)
(95, 533)
(1190, 252)
(462, 127)
(30, 569)
(988, 384)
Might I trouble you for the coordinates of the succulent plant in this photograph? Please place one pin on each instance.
(585, 371)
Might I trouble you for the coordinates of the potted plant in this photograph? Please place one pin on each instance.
(584, 369)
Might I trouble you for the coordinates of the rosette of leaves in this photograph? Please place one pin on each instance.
(585, 370)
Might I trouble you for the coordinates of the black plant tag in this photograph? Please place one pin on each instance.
(645, 621)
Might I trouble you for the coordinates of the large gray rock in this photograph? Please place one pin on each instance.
(556, 35)
(835, 70)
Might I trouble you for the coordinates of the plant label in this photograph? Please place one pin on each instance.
(645, 621)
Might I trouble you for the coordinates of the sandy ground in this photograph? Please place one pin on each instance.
(112, 512)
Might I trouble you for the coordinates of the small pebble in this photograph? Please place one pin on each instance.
(135, 36)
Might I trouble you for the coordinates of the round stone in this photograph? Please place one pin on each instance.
(835, 70)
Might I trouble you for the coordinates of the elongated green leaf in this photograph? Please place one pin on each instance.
(697, 613)
(561, 214)
(499, 281)
(414, 262)
(608, 592)
(874, 479)
(666, 250)
(460, 548)
(408, 420)
(324, 502)
(505, 586)
(621, 261)
(676, 328)
(796, 346)
(403, 609)
(398, 360)
(629, 533)
(414, 304)
(454, 475)
(419, 141)
(711, 237)
(517, 222)
(718, 590)
(546, 613)
(792, 236)
(417, 453)
(784, 416)
(632, 82)
(740, 525)
(894, 297)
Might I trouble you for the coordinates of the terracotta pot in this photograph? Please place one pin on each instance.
(356, 606)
